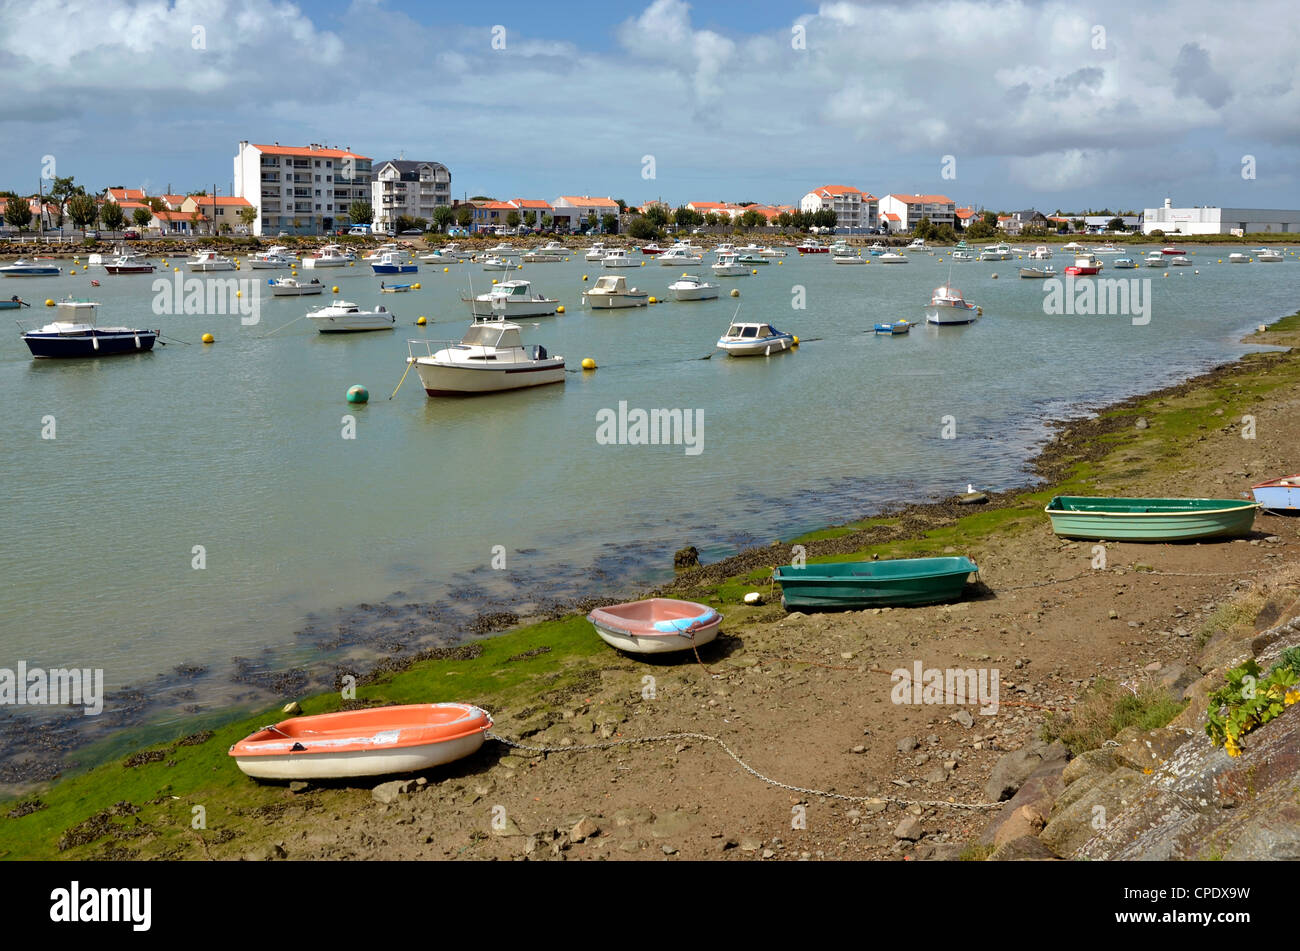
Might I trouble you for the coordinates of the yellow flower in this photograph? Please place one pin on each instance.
(1231, 746)
(1292, 696)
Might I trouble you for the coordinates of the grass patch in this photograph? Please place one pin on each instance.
(1235, 617)
(1108, 708)
(975, 853)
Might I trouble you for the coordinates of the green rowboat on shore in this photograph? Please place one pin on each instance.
(849, 585)
(1149, 520)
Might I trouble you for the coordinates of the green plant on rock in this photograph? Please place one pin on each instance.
(1250, 700)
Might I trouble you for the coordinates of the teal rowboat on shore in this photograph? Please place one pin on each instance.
(1149, 520)
(849, 585)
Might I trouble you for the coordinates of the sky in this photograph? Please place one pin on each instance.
(994, 103)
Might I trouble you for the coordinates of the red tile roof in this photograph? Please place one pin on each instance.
(126, 194)
(588, 201)
(890, 216)
(838, 190)
(924, 199)
(530, 203)
(317, 152)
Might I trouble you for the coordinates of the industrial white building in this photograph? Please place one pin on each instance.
(1212, 220)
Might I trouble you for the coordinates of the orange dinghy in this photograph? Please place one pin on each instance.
(656, 625)
(373, 742)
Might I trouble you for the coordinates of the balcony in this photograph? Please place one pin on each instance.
(272, 177)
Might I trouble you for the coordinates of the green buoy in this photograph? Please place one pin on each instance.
(358, 394)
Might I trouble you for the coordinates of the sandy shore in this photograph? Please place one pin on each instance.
(803, 700)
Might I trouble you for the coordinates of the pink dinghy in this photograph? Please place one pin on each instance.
(656, 625)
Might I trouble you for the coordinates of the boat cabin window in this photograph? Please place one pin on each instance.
(482, 336)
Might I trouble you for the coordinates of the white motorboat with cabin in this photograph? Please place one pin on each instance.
(918, 244)
(329, 256)
(128, 262)
(346, 317)
(379, 252)
(848, 257)
(728, 266)
(617, 257)
(1267, 255)
(893, 257)
(947, 306)
(490, 358)
(1041, 253)
(1153, 259)
(292, 287)
(597, 251)
(996, 252)
(24, 268)
(210, 261)
(511, 299)
(754, 340)
(277, 257)
(611, 291)
(679, 256)
(773, 252)
(691, 287)
(496, 263)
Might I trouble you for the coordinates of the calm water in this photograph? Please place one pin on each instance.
(237, 446)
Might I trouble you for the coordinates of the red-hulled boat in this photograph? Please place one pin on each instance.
(812, 247)
(653, 249)
(1172, 251)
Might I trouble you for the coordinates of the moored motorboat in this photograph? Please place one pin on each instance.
(1172, 251)
(1154, 259)
(13, 303)
(893, 257)
(346, 317)
(497, 263)
(210, 261)
(1084, 264)
(511, 299)
(392, 263)
(1038, 272)
(376, 741)
(754, 340)
(490, 358)
(1149, 520)
(853, 585)
(1180, 260)
(918, 244)
(276, 257)
(848, 258)
(74, 334)
(617, 257)
(1279, 495)
(1236, 257)
(812, 246)
(1267, 255)
(1123, 264)
(128, 263)
(947, 306)
(292, 287)
(24, 268)
(679, 256)
(691, 287)
(329, 256)
(611, 291)
(656, 625)
(996, 252)
(1040, 253)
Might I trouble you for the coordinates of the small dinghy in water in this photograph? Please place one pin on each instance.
(656, 625)
(373, 742)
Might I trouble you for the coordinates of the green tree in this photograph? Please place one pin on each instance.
(83, 210)
(247, 217)
(157, 204)
(924, 229)
(712, 219)
(18, 212)
(141, 217)
(443, 216)
(643, 229)
(591, 219)
(464, 215)
(609, 223)
(826, 218)
(687, 217)
(784, 219)
(512, 219)
(1077, 224)
(112, 216)
(981, 229)
(361, 213)
(752, 219)
(657, 215)
(1115, 224)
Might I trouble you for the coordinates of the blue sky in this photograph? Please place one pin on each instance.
(996, 103)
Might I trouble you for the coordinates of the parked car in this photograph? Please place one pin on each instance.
(92, 235)
(131, 235)
(414, 231)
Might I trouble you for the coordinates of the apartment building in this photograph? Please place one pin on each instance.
(853, 208)
(905, 211)
(301, 190)
(414, 189)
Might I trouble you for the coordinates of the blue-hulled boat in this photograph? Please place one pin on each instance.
(392, 263)
(13, 303)
(1279, 495)
(894, 329)
(75, 335)
(852, 585)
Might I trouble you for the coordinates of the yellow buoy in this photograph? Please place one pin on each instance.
(494, 280)
(207, 338)
(780, 262)
(421, 321)
(560, 309)
(239, 293)
(416, 286)
(796, 340)
(444, 270)
(334, 289)
(176, 270)
(584, 277)
(735, 292)
(49, 302)
(73, 271)
(588, 363)
(654, 300)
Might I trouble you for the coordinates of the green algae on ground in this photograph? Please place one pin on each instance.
(150, 810)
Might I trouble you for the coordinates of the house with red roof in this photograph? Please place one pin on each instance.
(219, 211)
(576, 209)
(910, 209)
(965, 217)
(853, 208)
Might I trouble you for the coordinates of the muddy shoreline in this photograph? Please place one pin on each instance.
(394, 634)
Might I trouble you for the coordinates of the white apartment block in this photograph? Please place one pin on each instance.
(908, 210)
(1213, 220)
(853, 208)
(413, 189)
(300, 190)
